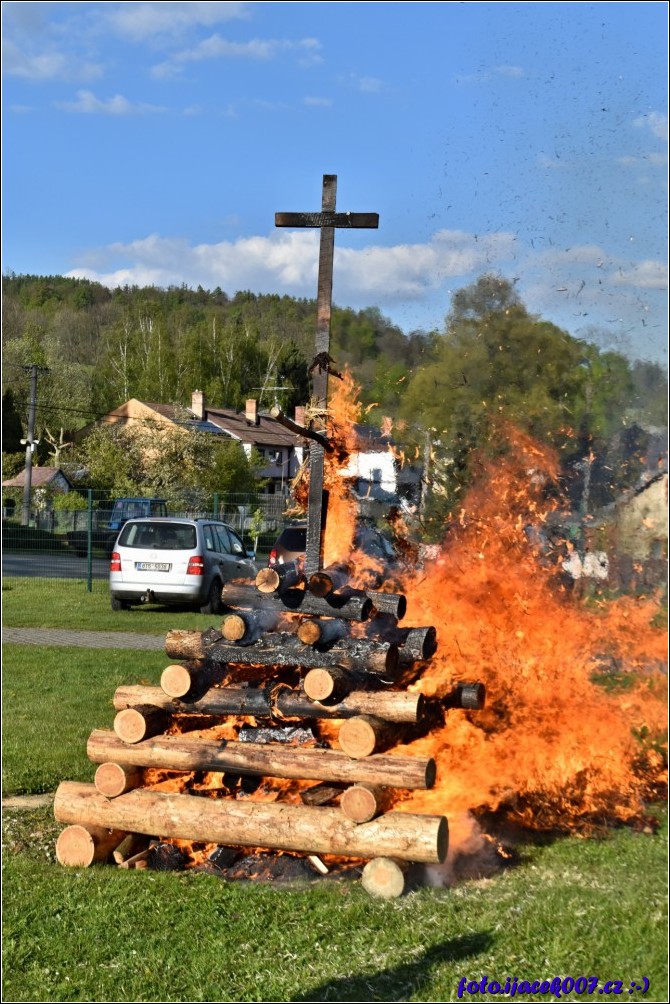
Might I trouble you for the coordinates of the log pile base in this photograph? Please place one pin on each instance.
(287, 654)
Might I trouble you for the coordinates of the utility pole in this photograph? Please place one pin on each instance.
(30, 442)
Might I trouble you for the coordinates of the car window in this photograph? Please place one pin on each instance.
(237, 545)
(159, 536)
(224, 540)
(211, 541)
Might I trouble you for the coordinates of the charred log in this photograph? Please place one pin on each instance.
(322, 632)
(281, 649)
(279, 578)
(247, 626)
(280, 701)
(329, 580)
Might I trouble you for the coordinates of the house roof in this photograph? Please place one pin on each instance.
(41, 477)
(268, 432)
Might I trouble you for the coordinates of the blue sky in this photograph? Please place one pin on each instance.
(152, 143)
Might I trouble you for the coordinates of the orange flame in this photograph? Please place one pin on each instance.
(552, 743)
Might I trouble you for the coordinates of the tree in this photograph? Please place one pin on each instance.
(181, 465)
(497, 365)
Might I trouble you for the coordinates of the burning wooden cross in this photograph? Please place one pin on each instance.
(326, 220)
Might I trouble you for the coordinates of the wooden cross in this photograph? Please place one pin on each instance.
(327, 220)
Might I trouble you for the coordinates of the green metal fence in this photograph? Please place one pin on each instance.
(74, 543)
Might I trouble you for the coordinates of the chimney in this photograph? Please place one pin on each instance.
(198, 404)
(300, 415)
(251, 411)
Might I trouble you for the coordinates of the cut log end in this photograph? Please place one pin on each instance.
(135, 724)
(359, 737)
(113, 779)
(80, 846)
(383, 878)
(233, 627)
(325, 683)
(267, 580)
(309, 632)
(361, 803)
(176, 681)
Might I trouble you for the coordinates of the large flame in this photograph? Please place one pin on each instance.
(553, 744)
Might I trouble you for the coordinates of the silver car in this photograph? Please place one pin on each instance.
(176, 561)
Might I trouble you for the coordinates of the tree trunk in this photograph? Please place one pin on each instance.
(191, 681)
(279, 578)
(329, 580)
(255, 824)
(81, 845)
(325, 683)
(264, 759)
(394, 604)
(247, 626)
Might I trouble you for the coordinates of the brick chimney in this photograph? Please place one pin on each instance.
(300, 415)
(251, 411)
(198, 404)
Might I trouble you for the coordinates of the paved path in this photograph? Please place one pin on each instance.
(83, 639)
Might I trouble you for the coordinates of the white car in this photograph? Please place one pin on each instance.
(176, 561)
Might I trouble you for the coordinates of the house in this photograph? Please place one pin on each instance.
(376, 472)
(281, 451)
(42, 481)
(52, 478)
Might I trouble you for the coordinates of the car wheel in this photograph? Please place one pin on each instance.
(213, 604)
(118, 604)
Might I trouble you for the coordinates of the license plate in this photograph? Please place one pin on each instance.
(152, 566)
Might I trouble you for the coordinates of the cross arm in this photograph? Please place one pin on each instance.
(328, 219)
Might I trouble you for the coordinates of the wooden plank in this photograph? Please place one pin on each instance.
(350, 221)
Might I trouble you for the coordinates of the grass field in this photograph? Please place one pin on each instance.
(566, 908)
(65, 604)
(571, 908)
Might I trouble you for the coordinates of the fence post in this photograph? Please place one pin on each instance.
(89, 543)
(215, 506)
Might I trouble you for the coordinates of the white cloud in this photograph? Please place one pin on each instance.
(318, 102)
(509, 71)
(88, 104)
(47, 65)
(288, 261)
(656, 122)
(139, 21)
(486, 76)
(645, 275)
(216, 47)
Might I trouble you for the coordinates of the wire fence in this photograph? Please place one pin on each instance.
(57, 542)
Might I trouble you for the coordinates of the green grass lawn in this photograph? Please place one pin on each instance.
(571, 908)
(52, 699)
(65, 604)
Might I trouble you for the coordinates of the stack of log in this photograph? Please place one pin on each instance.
(288, 652)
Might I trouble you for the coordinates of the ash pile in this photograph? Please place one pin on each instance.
(274, 731)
